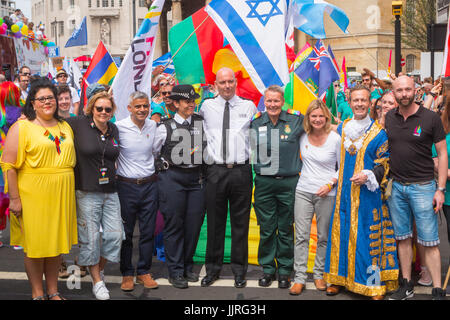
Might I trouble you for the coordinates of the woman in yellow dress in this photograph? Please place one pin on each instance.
(37, 163)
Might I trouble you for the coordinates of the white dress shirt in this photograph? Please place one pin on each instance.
(241, 113)
(136, 159)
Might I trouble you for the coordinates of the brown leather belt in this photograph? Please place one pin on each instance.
(138, 181)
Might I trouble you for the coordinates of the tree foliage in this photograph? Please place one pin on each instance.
(417, 14)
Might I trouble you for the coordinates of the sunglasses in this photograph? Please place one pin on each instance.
(100, 109)
(165, 93)
(62, 76)
(45, 99)
(26, 74)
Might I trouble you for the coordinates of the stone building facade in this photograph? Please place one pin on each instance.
(368, 43)
(115, 22)
(370, 38)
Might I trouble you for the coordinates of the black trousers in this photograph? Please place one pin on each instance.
(233, 187)
(137, 203)
(182, 204)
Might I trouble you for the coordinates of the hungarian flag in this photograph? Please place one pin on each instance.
(194, 43)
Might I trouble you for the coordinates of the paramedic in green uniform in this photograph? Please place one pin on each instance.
(276, 162)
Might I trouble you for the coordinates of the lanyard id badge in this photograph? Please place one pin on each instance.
(103, 179)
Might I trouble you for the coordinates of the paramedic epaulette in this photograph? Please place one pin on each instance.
(256, 116)
(292, 111)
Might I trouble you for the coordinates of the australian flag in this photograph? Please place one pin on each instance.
(79, 36)
(318, 70)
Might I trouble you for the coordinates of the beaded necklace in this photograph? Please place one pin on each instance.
(57, 140)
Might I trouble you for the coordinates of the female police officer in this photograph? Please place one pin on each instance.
(181, 186)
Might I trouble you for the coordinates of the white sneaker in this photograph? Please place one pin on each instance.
(425, 277)
(100, 291)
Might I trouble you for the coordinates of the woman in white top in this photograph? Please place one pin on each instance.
(315, 193)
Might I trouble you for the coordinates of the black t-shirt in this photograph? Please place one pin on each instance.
(90, 144)
(410, 144)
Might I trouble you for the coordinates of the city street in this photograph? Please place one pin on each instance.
(14, 284)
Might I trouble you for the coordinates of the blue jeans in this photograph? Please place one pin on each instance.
(95, 210)
(414, 201)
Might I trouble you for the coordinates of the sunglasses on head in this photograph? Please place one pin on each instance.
(100, 109)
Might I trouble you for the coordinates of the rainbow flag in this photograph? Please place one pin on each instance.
(344, 79)
(102, 68)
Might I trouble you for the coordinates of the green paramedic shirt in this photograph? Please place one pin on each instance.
(286, 160)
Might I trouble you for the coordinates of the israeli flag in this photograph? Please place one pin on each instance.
(162, 61)
(307, 16)
(256, 31)
(79, 36)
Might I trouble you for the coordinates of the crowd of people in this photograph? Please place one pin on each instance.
(75, 176)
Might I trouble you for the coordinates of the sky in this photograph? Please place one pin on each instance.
(25, 6)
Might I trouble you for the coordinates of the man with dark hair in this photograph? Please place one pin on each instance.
(61, 78)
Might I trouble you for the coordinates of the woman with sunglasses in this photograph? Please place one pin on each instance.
(98, 206)
(37, 162)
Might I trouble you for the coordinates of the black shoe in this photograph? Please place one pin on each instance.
(209, 280)
(266, 280)
(179, 282)
(284, 282)
(438, 294)
(191, 276)
(240, 282)
(404, 291)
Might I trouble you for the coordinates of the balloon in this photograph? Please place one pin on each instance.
(20, 24)
(24, 30)
(51, 44)
(4, 26)
(15, 28)
(1, 21)
(2, 31)
(46, 50)
(45, 43)
(18, 35)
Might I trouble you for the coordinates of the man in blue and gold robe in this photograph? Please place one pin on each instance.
(361, 252)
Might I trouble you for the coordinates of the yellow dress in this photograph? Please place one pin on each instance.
(46, 182)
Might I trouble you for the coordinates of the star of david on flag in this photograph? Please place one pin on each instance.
(256, 30)
(318, 71)
(263, 10)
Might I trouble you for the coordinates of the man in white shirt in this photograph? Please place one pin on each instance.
(24, 81)
(137, 189)
(229, 177)
(16, 16)
(61, 78)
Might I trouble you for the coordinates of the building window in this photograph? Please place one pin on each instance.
(53, 28)
(51, 5)
(410, 63)
(120, 3)
(72, 26)
(98, 3)
(89, 3)
(60, 5)
(112, 3)
(61, 28)
(105, 3)
(142, 3)
(72, 3)
(140, 21)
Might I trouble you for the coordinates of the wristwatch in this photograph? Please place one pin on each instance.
(442, 189)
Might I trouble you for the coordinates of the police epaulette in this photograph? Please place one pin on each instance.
(245, 98)
(209, 98)
(292, 111)
(199, 116)
(256, 116)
